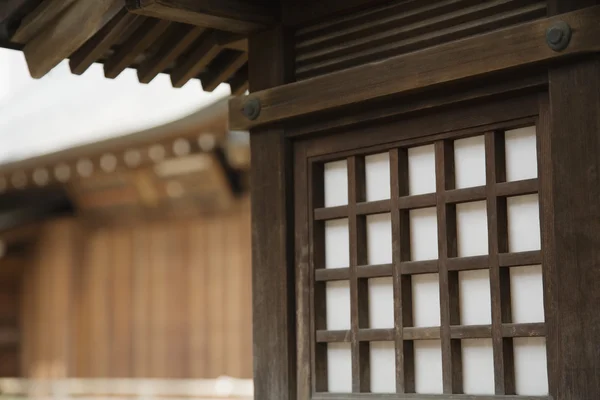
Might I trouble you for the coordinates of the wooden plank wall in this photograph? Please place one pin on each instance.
(159, 300)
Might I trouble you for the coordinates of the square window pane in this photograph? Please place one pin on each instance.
(469, 162)
(475, 297)
(337, 243)
(428, 367)
(531, 366)
(337, 303)
(336, 183)
(379, 239)
(381, 303)
(339, 368)
(472, 229)
(383, 367)
(521, 154)
(421, 170)
(377, 172)
(478, 366)
(426, 300)
(527, 294)
(523, 223)
(423, 234)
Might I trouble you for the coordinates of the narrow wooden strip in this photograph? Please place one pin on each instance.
(334, 336)
(40, 18)
(223, 72)
(101, 42)
(524, 330)
(418, 201)
(325, 214)
(419, 267)
(467, 58)
(465, 195)
(471, 331)
(239, 83)
(523, 258)
(517, 188)
(376, 335)
(205, 51)
(169, 52)
(419, 396)
(468, 263)
(331, 274)
(373, 207)
(374, 271)
(142, 38)
(429, 333)
(66, 34)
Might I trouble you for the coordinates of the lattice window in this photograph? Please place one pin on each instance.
(427, 273)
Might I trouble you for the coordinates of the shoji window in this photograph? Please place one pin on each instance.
(426, 272)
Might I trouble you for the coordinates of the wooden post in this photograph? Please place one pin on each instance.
(273, 298)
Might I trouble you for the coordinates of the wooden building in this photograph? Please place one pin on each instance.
(425, 202)
(129, 258)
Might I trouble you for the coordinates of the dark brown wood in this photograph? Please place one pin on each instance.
(418, 267)
(409, 396)
(229, 15)
(239, 83)
(182, 38)
(332, 274)
(418, 201)
(300, 12)
(148, 32)
(273, 294)
(334, 336)
(570, 200)
(35, 21)
(465, 195)
(324, 214)
(223, 72)
(196, 62)
(470, 332)
(516, 259)
(101, 42)
(512, 47)
(429, 333)
(524, 330)
(468, 263)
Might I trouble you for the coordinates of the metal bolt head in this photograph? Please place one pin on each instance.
(558, 36)
(251, 109)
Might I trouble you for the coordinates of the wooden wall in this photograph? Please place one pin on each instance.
(158, 300)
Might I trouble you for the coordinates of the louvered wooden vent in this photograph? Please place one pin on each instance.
(402, 27)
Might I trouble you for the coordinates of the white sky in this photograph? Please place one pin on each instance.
(64, 110)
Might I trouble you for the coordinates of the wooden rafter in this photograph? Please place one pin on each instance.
(43, 15)
(196, 62)
(224, 71)
(239, 82)
(168, 53)
(66, 34)
(228, 15)
(98, 45)
(149, 31)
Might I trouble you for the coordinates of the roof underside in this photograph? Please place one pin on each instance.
(104, 31)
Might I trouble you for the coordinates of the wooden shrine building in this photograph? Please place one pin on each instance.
(129, 258)
(425, 180)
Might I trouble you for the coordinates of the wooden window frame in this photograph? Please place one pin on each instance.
(440, 128)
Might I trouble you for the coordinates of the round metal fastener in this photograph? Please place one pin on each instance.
(251, 109)
(558, 36)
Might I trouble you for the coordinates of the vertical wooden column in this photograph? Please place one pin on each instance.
(570, 203)
(273, 299)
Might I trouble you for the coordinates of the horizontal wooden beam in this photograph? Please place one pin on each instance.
(238, 16)
(497, 51)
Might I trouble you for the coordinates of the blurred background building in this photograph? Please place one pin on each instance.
(124, 237)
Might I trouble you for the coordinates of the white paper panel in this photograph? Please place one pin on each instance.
(383, 367)
(527, 294)
(377, 172)
(523, 223)
(423, 234)
(531, 368)
(381, 303)
(379, 239)
(426, 300)
(337, 243)
(478, 366)
(475, 297)
(472, 230)
(339, 368)
(337, 303)
(469, 162)
(336, 183)
(428, 367)
(421, 170)
(521, 154)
